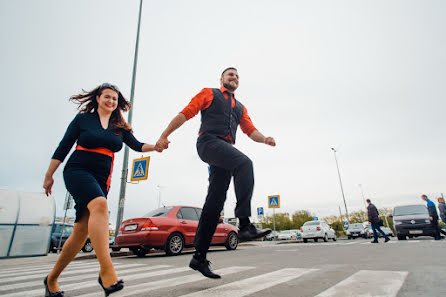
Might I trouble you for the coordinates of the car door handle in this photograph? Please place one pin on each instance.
(183, 222)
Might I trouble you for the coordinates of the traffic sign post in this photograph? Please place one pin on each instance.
(140, 169)
(274, 202)
(315, 218)
(260, 212)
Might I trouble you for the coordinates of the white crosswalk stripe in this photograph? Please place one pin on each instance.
(253, 284)
(368, 283)
(141, 280)
(20, 270)
(79, 277)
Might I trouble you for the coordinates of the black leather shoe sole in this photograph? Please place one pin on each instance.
(251, 236)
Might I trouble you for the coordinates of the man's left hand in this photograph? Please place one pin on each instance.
(270, 141)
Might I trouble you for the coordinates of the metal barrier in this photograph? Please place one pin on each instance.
(26, 220)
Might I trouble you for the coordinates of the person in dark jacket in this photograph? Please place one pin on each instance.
(373, 217)
(433, 216)
(442, 209)
(221, 114)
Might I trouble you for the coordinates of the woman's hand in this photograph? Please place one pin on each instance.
(48, 184)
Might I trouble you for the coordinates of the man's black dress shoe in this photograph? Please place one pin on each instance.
(250, 232)
(119, 285)
(47, 291)
(203, 267)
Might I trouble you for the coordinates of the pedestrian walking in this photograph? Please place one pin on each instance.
(442, 208)
(433, 216)
(221, 114)
(99, 130)
(375, 221)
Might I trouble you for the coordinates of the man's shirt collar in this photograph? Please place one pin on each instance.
(223, 89)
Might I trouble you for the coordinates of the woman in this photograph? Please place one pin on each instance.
(100, 131)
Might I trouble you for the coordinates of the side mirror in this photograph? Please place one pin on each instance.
(220, 220)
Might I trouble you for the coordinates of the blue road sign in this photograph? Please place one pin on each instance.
(260, 211)
(140, 169)
(315, 218)
(274, 201)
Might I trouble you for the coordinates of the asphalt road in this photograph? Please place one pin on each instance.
(342, 268)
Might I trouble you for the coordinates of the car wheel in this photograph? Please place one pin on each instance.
(231, 241)
(334, 238)
(305, 240)
(316, 239)
(325, 238)
(174, 244)
(140, 252)
(401, 237)
(88, 247)
(116, 249)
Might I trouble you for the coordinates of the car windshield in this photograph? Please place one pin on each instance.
(311, 223)
(356, 226)
(410, 210)
(285, 232)
(160, 212)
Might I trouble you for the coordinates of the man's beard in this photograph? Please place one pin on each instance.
(229, 87)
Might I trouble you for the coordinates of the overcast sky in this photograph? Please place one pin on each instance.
(365, 77)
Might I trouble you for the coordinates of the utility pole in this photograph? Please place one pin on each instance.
(363, 198)
(126, 149)
(342, 189)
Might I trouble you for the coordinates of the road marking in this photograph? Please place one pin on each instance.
(75, 271)
(253, 284)
(290, 250)
(89, 284)
(413, 241)
(77, 278)
(138, 290)
(26, 271)
(366, 283)
(19, 270)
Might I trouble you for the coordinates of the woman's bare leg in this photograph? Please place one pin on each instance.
(98, 231)
(70, 249)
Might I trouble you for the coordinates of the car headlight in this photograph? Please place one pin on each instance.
(398, 222)
(427, 221)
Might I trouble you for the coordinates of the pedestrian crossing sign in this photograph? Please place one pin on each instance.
(274, 201)
(140, 169)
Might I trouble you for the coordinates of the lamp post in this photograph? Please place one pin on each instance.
(129, 120)
(342, 189)
(363, 198)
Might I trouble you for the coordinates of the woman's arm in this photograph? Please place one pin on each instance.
(49, 181)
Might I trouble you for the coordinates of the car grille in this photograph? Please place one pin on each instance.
(413, 222)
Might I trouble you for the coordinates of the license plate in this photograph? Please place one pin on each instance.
(415, 231)
(130, 227)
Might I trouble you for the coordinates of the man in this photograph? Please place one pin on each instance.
(373, 217)
(433, 216)
(442, 208)
(221, 114)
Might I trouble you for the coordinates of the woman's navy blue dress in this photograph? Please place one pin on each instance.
(87, 174)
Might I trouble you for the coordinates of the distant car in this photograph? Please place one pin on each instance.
(412, 221)
(56, 233)
(272, 236)
(387, 231)
(170, 229)
(356, 230)
(298, 233)
(368, 231)
(287, 235)
(317, 229)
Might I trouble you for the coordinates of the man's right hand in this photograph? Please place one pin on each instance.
(162, 144)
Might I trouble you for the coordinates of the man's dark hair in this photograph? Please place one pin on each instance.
(368, 200)
(229, 68)
(424, 196)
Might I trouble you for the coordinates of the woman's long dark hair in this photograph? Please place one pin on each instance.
(87, 103)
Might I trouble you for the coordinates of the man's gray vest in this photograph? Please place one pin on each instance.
(219, 118)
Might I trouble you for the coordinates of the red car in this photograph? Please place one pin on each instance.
(170, 229)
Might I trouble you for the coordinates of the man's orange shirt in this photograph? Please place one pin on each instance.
(203, 100)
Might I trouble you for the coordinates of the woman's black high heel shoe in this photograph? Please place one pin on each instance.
(47, 291)
(119, 285)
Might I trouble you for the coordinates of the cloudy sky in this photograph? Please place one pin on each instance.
(365, 77)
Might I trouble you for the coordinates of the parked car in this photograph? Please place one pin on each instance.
(317, 229)
(287, 235)
(387, 231)
(56, 233)
(170, 229)
(272, 236)
(356, 230)
(298, 233)
(368, 230)
(412, 221)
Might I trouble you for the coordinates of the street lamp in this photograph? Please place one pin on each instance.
(363, 198)
(342, 189)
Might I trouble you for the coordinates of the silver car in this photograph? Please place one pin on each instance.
(287, 235)
(317, 229)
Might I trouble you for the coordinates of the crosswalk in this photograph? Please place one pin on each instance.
(143, 280)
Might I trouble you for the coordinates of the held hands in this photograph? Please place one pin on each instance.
(48, 184)
(162, 144)
(270, 141)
